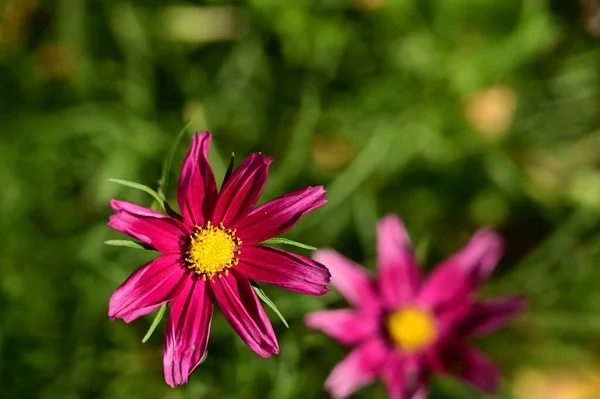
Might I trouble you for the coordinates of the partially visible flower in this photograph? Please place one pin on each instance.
(214, 249)
(403, 327)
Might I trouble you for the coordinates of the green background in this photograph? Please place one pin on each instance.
(452, 114)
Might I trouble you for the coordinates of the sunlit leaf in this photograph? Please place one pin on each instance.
(280, 240)
(157, 319)
(141, 187)
(125, 243)
(261, 294)
(164, 177)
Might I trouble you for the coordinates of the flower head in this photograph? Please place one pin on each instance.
(213, 250)
(403, 327)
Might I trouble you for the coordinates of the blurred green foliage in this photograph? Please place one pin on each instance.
(451, 114)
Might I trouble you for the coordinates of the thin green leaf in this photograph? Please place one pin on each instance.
(141, 187)
(157, 319)
(281, 240)
(164, 177)
(125, 243)
(203, 357)
(229, 168)
(261, 294)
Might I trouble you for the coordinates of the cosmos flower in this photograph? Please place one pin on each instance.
(213, 250)
(403, 327)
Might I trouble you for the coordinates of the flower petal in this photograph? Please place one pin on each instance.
(350, 279)
(479, 371)
(404, 377)
(241, 191)
(358, 369)
(344, 325)
(285, 269)
(485, 317)
(462, 273)
(187, 331)
(243, 311)
(456, 358)
(398, 271)
(155, 229)
(197, 189)
(147, 288)
(278, 216)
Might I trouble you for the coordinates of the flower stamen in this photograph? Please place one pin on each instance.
(212, 250)
(411, 329)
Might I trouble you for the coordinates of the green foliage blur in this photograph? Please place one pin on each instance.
(452, 114)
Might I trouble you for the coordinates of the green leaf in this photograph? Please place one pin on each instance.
(164, 177)
(157, 319)
(125, 243)
(229, 168)
(261, 294)
(203, 357)
(280, 240)
(141, 187)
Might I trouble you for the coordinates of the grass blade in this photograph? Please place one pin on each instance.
(141, 187)
(157, 319)
(281, 240)
(261, 294)
(125, 243)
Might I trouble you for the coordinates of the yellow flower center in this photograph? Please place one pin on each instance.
(212, 250)
(411, 329)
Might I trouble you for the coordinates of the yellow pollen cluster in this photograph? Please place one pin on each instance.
(212, 250)
(411, 329)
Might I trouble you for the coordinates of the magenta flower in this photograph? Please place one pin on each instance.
(403, 327)
(214, 249)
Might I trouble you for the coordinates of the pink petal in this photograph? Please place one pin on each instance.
(344, 325)
(479, 371)
(404, 377)
(358, 369)
(147, 288)
(243, 311)
(398, 271)
(350, 279)
(278, 216)
(155, 229)
(241, 191)
(487, 316)
(285, 269)
(187, 331)
(197, 189)
(456, 358)
(462, 273)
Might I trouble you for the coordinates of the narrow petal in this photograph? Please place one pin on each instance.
(278, 216)
(479, 371)
(487, 316)
(462, 273)
(359, 368)
(243, 311)
(197, 189)
(241, 191)
(285, 269)
(187, 331)
(456, 358)
(350, 279)
(147, 288)
(347, 326)
(155, 229)
(398, 271)
(404, 377)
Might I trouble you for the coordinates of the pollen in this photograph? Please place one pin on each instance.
(411, 329)
(212, 250)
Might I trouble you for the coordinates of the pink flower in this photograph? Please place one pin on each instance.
(214, 249)
(404, 327)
